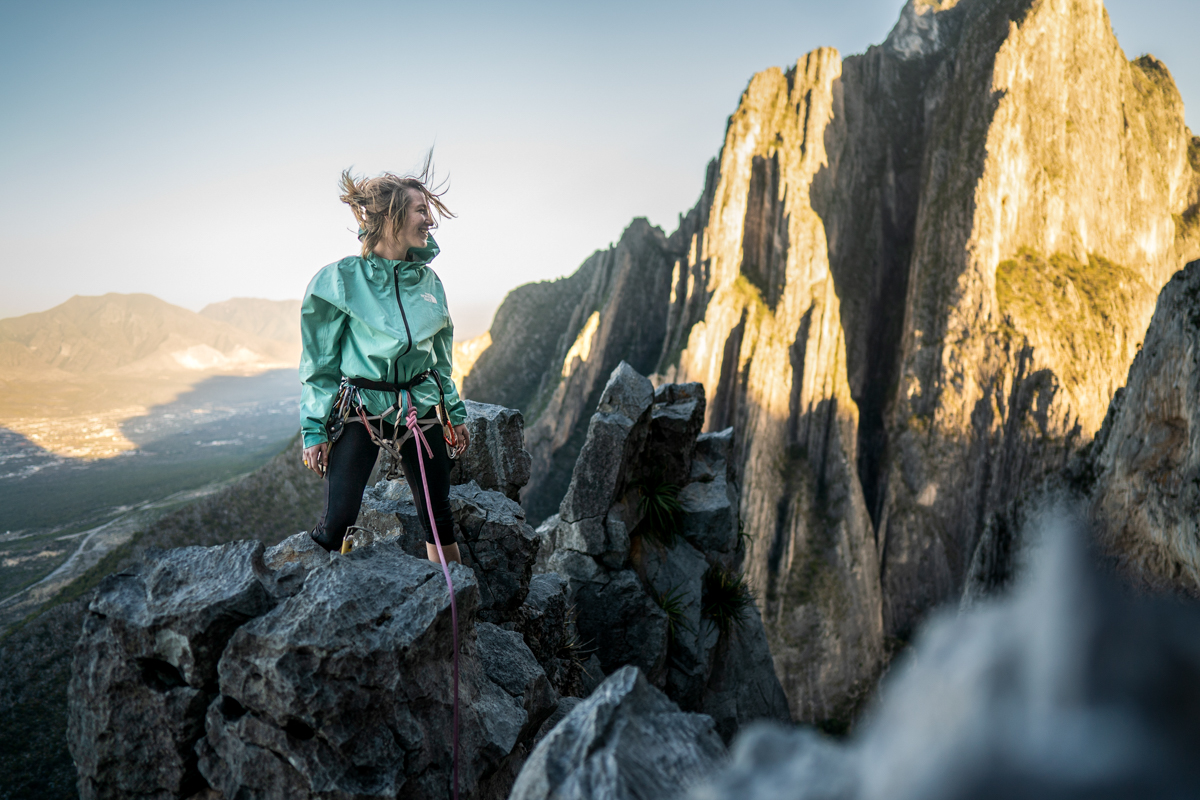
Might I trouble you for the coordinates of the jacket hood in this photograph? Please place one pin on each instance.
(421, 255)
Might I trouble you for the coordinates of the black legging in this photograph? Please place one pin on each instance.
(351, 460)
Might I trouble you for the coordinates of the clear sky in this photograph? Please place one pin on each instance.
(191, 150)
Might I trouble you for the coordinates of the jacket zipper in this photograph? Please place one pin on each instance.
(403, 316)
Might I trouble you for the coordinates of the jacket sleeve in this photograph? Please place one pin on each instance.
(443, 349)
(321, 326)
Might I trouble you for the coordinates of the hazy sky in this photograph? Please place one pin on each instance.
(191, 150)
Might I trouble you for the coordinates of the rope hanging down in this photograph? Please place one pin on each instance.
(414, 428)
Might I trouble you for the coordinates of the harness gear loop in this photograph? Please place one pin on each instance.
(348, 406)
(415, 430)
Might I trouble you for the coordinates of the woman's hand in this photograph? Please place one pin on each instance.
(316, 458)
(464, 439)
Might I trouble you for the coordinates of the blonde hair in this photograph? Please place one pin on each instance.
(381, 203)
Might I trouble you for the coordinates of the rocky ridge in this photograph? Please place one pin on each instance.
(245, 671)
(913, 282)
(647, 590)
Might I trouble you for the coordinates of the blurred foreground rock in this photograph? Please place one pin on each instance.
(1071, 688)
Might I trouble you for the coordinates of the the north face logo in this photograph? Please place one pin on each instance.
(429, 298)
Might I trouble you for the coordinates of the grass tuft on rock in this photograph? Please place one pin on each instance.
(725, 598)
(662, 514)
(671, 602)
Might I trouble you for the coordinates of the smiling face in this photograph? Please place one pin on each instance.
(418, 220)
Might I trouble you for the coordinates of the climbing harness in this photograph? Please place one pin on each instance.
(348, 407)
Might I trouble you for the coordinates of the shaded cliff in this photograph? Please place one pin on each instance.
(560, 340)
(912, 284)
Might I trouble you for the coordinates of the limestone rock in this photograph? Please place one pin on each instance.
(1147, 493)
(146, 667)
(888, 287)
(742, 686)
(614, 320)
(508, 662)
(389, 511)
(542, 618)
(677, 573)
(639, 595)
(565, 706)
(494, 538)
(1070, 688)
(547, 621)
(616, 431)
(626, 741)
(1054, 272)
(344, 688)
(709, 513)
(497, 458)
(623, 623)
(290, 561)
(498, 545)
(675, 420)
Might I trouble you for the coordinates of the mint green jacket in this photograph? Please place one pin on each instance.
(376, 319)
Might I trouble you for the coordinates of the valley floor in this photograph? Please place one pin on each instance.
(60, 515)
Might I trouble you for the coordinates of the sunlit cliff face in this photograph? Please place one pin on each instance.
(948, 292)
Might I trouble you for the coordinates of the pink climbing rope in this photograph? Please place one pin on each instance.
(414, 427)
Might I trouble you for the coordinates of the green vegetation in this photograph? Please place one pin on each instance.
(1157, 74)
(744, 536)
(725, 597)
(573, 649)
(1079, 308)
(671, 603)
(660, 510)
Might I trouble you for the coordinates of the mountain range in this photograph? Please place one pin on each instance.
(73, 374)
(913, 284)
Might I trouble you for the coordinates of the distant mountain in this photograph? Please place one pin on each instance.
(129, 334)
(271, 319)
(70, 377)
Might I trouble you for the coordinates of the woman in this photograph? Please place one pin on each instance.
(378, 340)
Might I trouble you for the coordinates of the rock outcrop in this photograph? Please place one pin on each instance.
(216, 667)
(652, 566)
(497, 459)
(627, 741)
(912, 284)
(1146, 500)
(146, 667)
(561, 341)
(1071, 688)
(287, 671)
(344, 688)
(1137, 481)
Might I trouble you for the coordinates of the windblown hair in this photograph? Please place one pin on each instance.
(380, 204)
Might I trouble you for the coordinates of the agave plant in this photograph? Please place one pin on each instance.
(725, 598)
(660, 509)
(671, 602)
